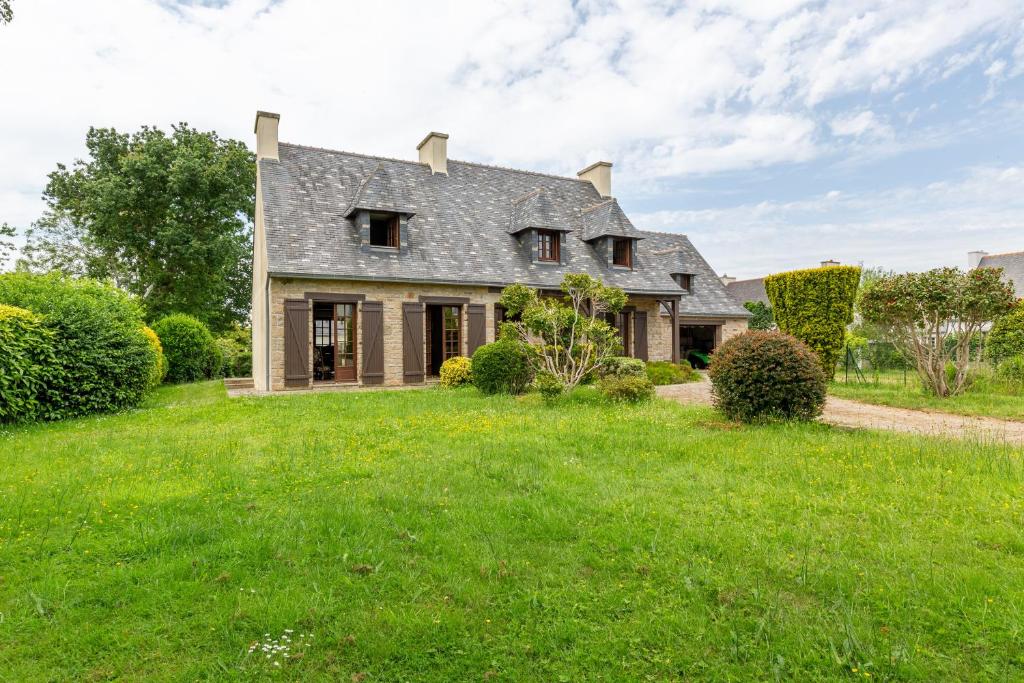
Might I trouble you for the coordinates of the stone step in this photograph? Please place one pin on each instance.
(239, 383)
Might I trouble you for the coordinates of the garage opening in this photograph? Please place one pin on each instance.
(697, 342)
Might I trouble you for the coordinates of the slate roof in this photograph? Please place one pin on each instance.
(743, 291)
(376, 192)
(1013, 268)
(460, 231)
(536, 210)
(607, 219)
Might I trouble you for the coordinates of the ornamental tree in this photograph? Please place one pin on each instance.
(569, 335)
(933, 317)
(815, 306)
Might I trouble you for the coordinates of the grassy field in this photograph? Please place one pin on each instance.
(432, 535)
(985, 398)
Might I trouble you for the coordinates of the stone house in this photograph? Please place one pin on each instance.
(373, 271)
(1012, 264)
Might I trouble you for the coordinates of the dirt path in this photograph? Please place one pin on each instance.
(846, 413)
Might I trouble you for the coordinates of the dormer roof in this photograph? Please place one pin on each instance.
(536, 211)
(377, 192)
(607, 219)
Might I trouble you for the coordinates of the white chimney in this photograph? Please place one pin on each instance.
(434, 152)
(829, 262)
(974, 259)
(600, 174)
(266, 135)
(726, 279)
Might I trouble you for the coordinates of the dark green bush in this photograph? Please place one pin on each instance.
(815, 306)
(622, 366)
(626, 388)
(1006, 339)
(767, 374)
(662, 372)
(26, 356)
(104, 361)
(502, 367)
(191, 352)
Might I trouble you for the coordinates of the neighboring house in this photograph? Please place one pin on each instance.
(743, 291)
(374, 271)
(1012, 264)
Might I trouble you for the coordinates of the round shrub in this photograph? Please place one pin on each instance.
(626, 389)
(26, 356)
(622, 366)
(549, 386)
(103, 360)
(502, 367)
(663, 372)
(1006, 339)
(159, 370)
(456, 371)
(767, 374)
(191, 352)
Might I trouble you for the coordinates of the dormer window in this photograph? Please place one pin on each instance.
(684, 280)
(384, 230)
(622, 252)
(548, 245)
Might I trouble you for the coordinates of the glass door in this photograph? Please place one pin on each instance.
(345, 353)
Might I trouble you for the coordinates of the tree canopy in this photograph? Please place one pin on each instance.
(6, 14)
(6, 245)
(166, 217)
(934, 316)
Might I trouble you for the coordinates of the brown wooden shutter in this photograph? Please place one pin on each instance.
(622, 325)
(412, 343)
(296, 343)
(640, 335)
(373, 342)
(477, 327)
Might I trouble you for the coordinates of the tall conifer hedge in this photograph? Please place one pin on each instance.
(815, 306)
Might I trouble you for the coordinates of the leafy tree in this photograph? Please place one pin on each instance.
(167, 217)
(763, 318)
(6, 245)
(815, 306)
(569, 335)
(933, 317)
(6, 14)
(1006, 339)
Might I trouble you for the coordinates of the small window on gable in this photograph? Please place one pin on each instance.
(547, 245)
(684, 280)
(384, 230)
(622, 252)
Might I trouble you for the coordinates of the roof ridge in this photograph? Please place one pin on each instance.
(664, 232)
(420, 163)
(749, 279)
(1004, 253)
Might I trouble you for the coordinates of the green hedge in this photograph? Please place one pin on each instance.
(191, 352)
(815, 306)
(26, 357)
(1006, 339)
(103, 361)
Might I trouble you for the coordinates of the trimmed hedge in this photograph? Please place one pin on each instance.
(26, 356)
(502, 367)
(1006, 339)
(104, 361)
(815, 306)
(160, 366)
(456, 371)
(761, 374)
(191, 352)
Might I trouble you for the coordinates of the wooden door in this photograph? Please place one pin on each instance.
(345, 342)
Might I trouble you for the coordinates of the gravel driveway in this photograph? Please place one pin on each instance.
(846, 413)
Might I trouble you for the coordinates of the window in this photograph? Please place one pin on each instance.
(547, 245)
(622, 252)
(684, 280)
(451, 331)
(384, 230)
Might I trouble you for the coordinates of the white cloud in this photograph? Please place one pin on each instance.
(859, 124)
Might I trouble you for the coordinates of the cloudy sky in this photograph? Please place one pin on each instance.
(776, 134)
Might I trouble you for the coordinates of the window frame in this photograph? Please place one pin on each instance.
(628, 252)
(392, 236)
(685, 281)
(553, 239)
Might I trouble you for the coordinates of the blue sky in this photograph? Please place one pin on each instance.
(775, 134)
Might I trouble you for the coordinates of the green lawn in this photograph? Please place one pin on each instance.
(432, 535)
(984, 399)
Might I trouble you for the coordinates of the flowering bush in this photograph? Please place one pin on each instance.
(456, 371)
(159, 370)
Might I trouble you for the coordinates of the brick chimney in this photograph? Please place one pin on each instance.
(266, 135)
(974, 259)
(600, 174)
(434, 152)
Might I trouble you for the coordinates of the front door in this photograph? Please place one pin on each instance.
(444, 335)
(345, 351)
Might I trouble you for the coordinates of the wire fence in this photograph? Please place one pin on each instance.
(879, 362)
